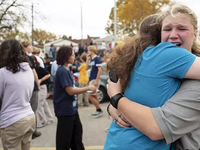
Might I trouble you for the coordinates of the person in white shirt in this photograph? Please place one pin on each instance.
(17, 119)
(54, 68)
(103, 45)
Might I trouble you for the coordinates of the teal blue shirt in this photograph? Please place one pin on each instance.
(155, 79)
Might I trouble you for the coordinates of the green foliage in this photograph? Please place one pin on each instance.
(64, 37)
(14, 16)
(11, 17)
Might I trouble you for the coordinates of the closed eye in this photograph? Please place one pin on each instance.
(166, 29)
(182, 29)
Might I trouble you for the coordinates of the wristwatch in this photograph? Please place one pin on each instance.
(115, 99)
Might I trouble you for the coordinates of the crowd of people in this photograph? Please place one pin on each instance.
(154, 104)
(22, 67)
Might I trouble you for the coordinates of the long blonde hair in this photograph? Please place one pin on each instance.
(175, 9)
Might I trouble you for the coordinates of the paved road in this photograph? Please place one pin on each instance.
(94, 134)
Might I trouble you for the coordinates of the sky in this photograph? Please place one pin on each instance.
(63, 17)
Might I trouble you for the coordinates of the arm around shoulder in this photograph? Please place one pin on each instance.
(141, 118)
(194, 70)
(181, 110)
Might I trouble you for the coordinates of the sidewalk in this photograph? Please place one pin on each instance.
(94, 135)
(53, 148)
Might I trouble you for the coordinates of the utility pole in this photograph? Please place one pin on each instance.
(81, 26)
(115, 20)
(32, 23)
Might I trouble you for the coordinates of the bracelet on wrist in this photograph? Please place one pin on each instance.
(115, 99)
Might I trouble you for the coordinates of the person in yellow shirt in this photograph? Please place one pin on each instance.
(83, 81)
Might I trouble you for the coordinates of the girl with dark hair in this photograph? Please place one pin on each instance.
(16, 86)
(69, 127)
(43, 111)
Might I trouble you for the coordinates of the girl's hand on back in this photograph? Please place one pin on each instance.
(118, 118)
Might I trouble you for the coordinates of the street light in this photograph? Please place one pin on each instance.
(32, 22)
(32, 12)
(81, 26)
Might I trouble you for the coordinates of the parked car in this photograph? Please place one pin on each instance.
(102, 91)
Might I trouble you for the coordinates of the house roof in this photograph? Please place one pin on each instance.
(109, 38)
(61, 42)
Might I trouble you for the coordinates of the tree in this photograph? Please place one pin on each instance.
(130, 13)
(15, 15)
(64, 37)
(10, 18)
(15, 33)
(40, 36)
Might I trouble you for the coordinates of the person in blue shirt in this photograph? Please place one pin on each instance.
(69, 127)
(75, 65)
(149, 75)
(54, 68)
(53, 51)
(94, 63)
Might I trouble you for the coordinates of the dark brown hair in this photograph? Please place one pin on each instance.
(63, 55)
(11, 55)
(124, 57)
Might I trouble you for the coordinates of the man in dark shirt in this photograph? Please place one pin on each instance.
(94, 63)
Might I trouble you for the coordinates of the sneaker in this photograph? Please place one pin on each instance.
(40, 125)
(36, 134)
(97, 114)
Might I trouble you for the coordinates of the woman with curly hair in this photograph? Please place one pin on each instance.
(16, 82)
(69, 127)
(150, 74)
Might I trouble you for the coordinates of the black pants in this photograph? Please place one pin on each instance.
(69, 133)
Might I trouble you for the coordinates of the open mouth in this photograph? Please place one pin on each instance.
(177, 44)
